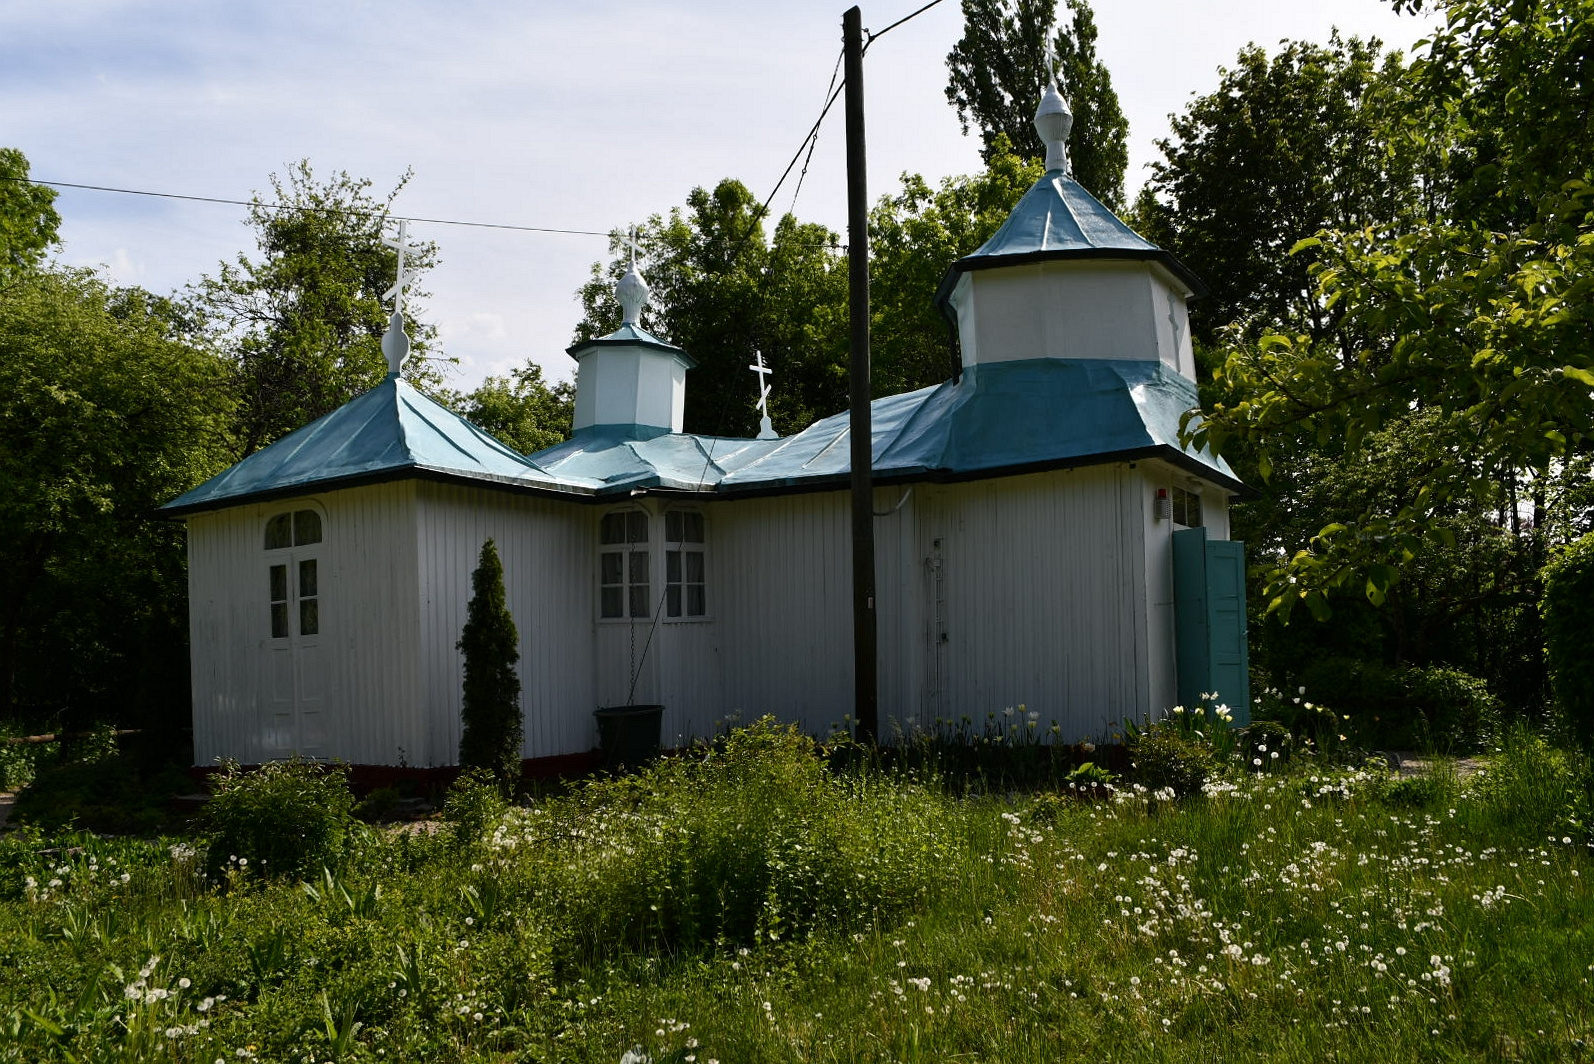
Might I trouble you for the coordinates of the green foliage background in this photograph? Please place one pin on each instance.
(1568, 608)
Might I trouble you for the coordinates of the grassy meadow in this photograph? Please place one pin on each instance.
(749, 903)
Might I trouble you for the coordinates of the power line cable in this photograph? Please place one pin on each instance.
(308, 210)
(813, 142)
(905, 18)
(763, 210)
(318, 210)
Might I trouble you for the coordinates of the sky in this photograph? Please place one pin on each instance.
(586, 116)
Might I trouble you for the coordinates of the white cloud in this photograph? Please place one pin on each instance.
(585, 116)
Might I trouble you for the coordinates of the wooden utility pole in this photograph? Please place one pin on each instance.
(864, 652)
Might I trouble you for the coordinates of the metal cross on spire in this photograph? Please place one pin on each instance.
(395, 342)
(405, 277)
(629, 241)
(766, 429)
(632, 291)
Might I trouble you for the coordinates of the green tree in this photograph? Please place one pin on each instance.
(107, 410)
(1008, 53)
(1568, 613)
(723, 289)
(493, 729)
(303, 323)
(914, 237)
(522, 410)
(1481, 324)
(28, 221)
(721, 292)
(1285, 145)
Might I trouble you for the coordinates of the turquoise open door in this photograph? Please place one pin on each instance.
(1209, 621)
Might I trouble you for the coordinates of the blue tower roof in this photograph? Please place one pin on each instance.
(1058, 219)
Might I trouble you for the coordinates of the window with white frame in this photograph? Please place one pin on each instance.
(684, 584)
(291, 574)
(1186, 508)
(623, 578)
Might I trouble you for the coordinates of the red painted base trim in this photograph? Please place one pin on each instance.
(366, 778)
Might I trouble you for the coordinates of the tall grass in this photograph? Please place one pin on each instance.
(747, 904)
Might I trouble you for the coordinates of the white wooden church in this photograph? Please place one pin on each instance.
(1042, 537)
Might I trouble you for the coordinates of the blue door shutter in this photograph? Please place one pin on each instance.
(1209, 621)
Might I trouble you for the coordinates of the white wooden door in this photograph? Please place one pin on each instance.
(296, 669)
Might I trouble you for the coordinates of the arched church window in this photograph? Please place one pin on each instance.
(293, 575)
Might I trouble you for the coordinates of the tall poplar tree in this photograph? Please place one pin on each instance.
(1007, 54)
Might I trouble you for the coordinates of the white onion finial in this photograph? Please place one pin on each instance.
(632, 291)
(1053, 121)
(395, 342)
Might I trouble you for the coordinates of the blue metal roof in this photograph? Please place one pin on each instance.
(623, 457)
(390, 429)
(629, 335)
(1058, 219)
(1000, 417)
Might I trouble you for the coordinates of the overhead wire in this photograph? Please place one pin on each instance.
(809, 143)
(307, 210)
(905, 18)
(813, 141)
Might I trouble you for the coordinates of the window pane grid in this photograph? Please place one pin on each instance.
(684, 570)
(624, 576)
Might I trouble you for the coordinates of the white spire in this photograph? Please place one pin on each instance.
(395, 342)
(632, 291)
(766, 429)
(1053, 121)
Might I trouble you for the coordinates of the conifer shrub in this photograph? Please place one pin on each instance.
(1567, 610)
(286, 818)
(492, 726)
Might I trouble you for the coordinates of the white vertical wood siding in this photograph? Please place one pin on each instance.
(1042, 585)
(1051, 590)
(548, 548)
(369, 628)
(783, 580)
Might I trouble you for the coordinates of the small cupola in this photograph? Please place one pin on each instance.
(1064, 277)
(630, 381)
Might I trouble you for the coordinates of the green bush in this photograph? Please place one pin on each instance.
(1311, 727)
(92, 785)
(1457, 710)
(1395, 708)
(1162, 758)
(475, 803)
(286, 818)
(753, 838)
(20, 762)
(1567, 610)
